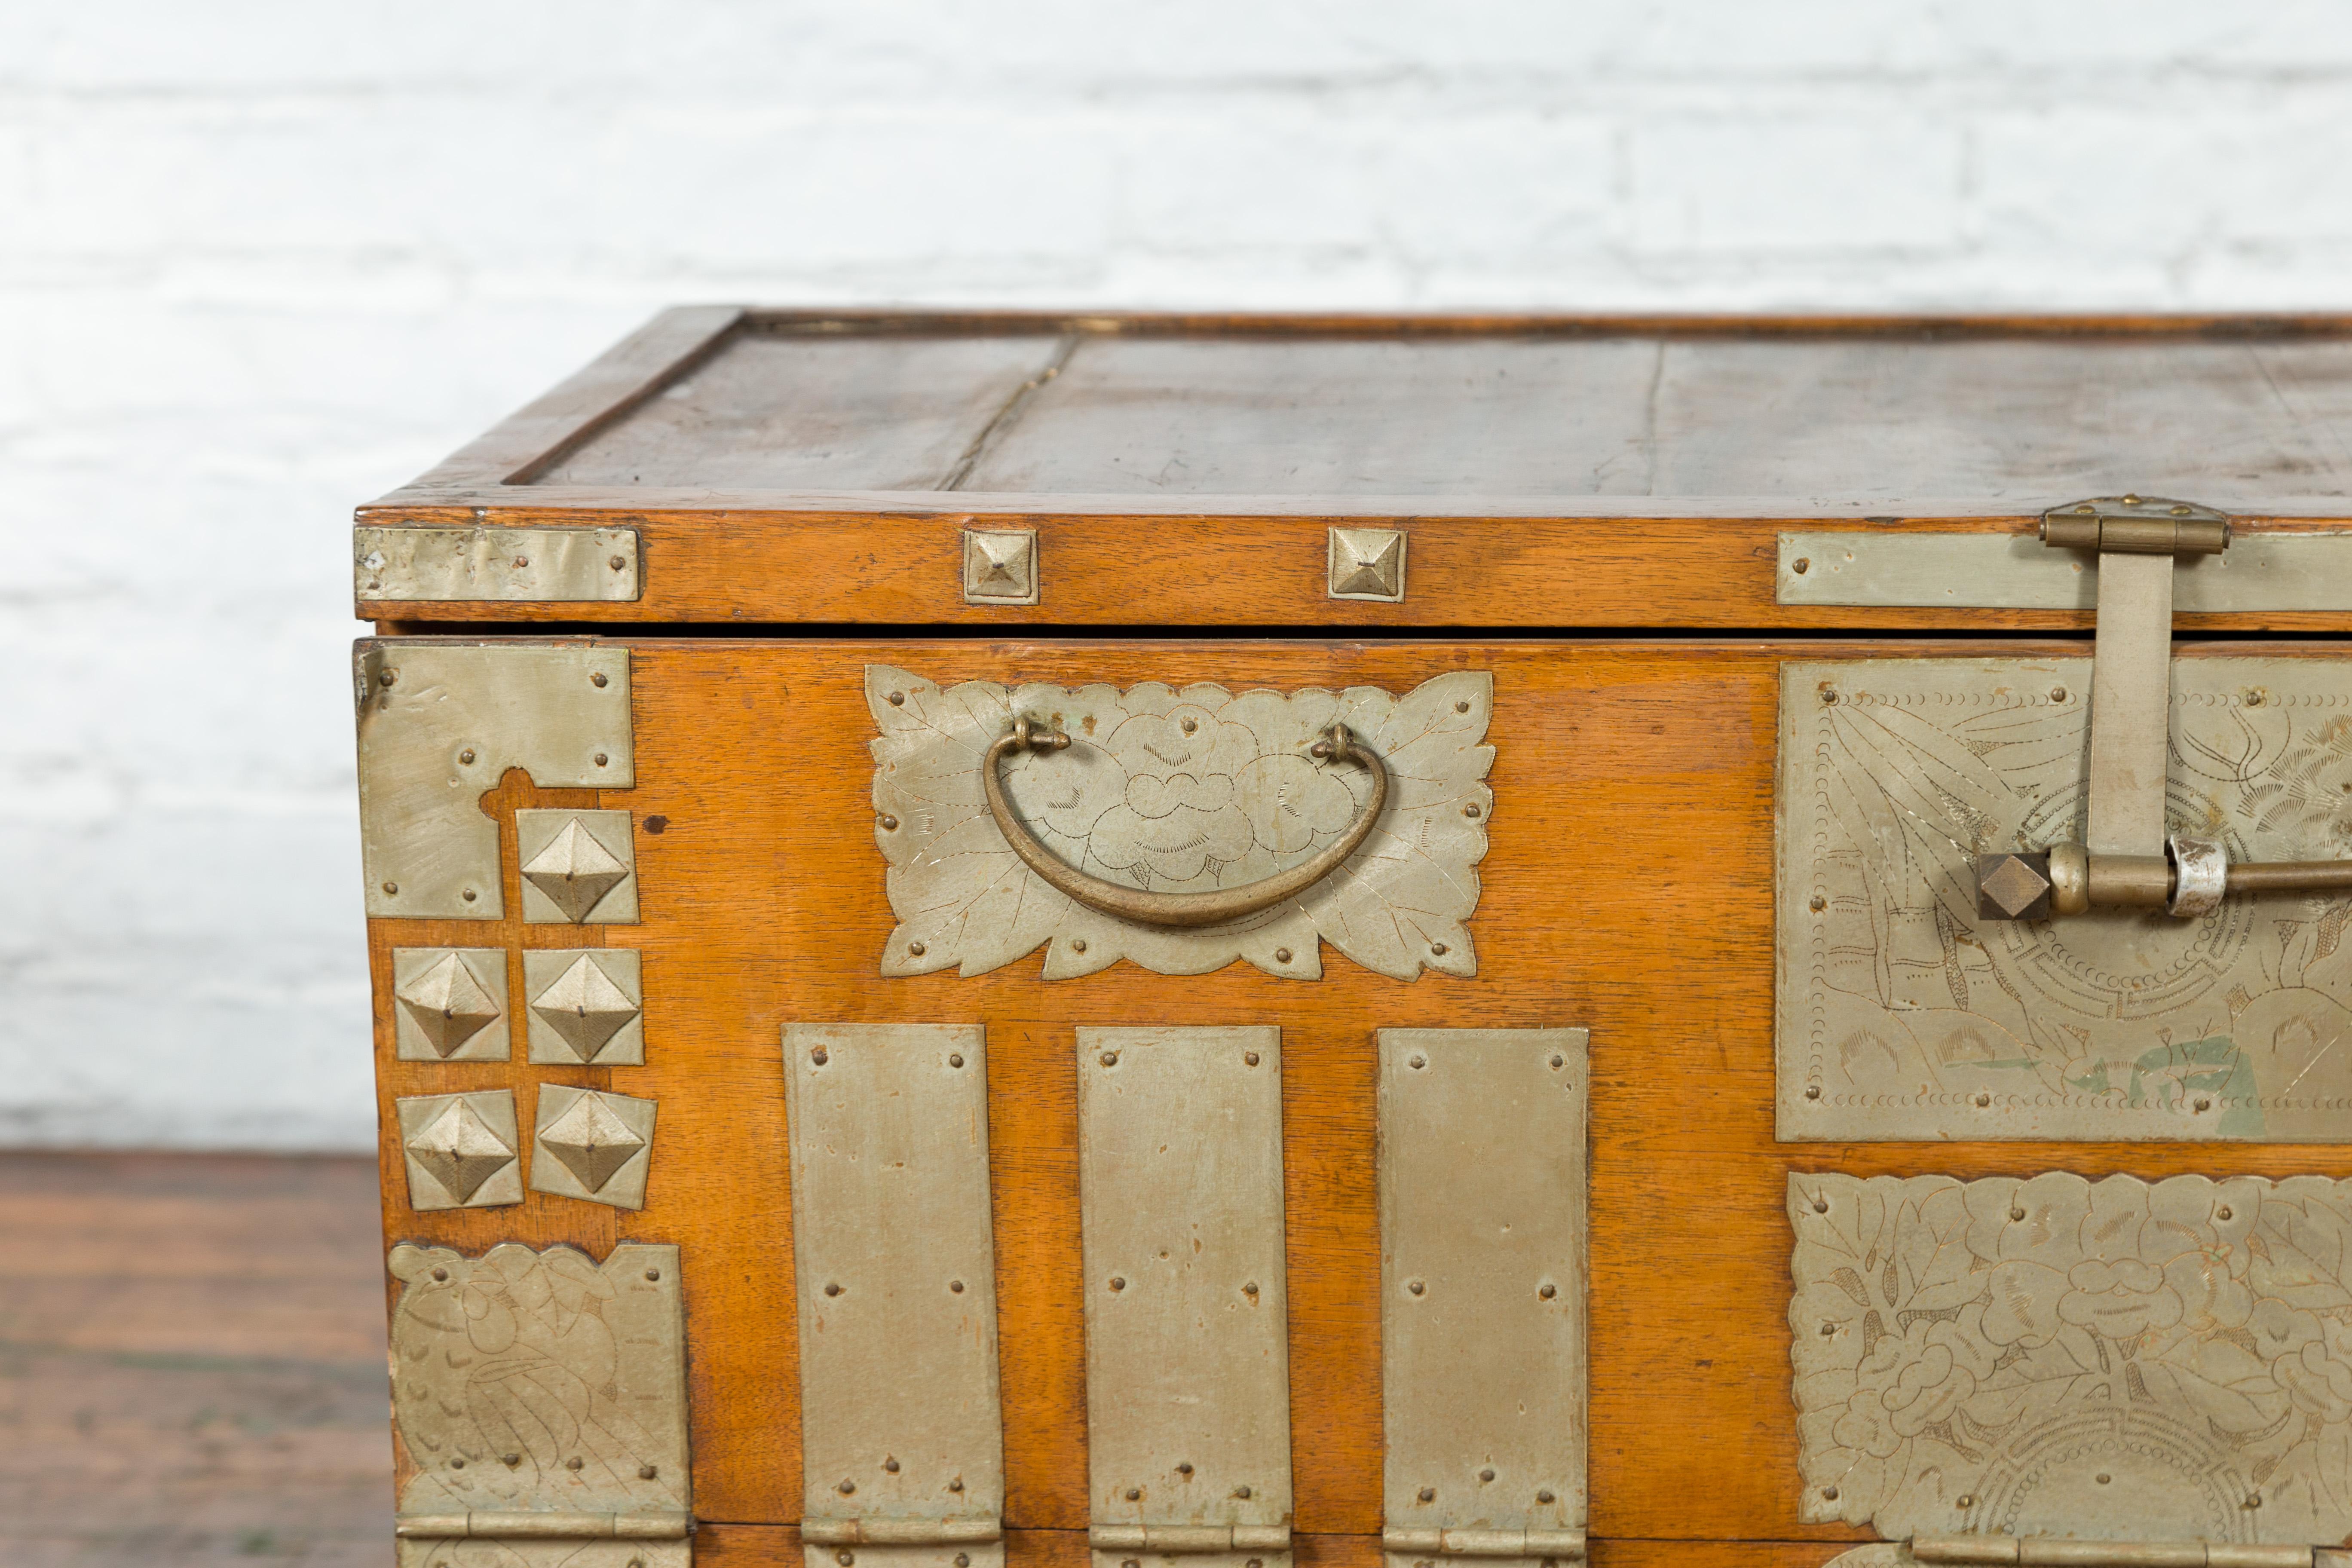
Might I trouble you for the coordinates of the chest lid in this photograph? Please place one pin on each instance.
(752, 466)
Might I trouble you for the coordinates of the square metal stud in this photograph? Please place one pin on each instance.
(999, 566)
(1367, 563)
(2014, 887)
(579, 867)
(449, 1004)
(592, 1145)
(584, 1006)
(461, 1150)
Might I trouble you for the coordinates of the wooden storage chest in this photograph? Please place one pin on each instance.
(827, 1109)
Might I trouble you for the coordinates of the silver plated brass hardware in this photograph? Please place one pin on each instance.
(894, 1253)
(579, 867)
(1185, 911)
(1180, 1218)
(1188, 1540)
(1901, 1013)
(461, 1150)
(592, 1145)
(550, 565)
(2061, 1552)
(1237, 774)
(1366, 563)
(999, 566)
(541, 1398)
(449, 1004)
(439, 723)
(1908, 569)
(586, 1005)
(2112, 1359)
(1482, 1292)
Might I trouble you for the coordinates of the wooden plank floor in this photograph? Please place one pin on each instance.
(191, 1363)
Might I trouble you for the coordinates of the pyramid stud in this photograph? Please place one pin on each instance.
(2014, 887)
(1367, 563)
(589, 1143)
(584, 1007)
(576, 867)
(444, 1005)
(1000, 567)
(465, 1144)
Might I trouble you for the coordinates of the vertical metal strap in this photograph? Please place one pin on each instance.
(2131, 700)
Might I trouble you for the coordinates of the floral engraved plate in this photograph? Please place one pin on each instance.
(1188, 790)
(2110, 1360)
(540, 1403)
(1900, 1015)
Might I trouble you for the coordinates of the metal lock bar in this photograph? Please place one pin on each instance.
(2127, 859)
(2054, 1551)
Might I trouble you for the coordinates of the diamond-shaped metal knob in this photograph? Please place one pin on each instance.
(2014, 887)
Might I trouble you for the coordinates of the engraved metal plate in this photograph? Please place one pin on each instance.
(586, 1005)
(901, 1432)
(1179, 1183)
(552, 565)
(449, 1004)
(440, 723)
(539, 1392)
(1901, 1015)
(2112, 1359)
(1181, 791)
(2261, 571)
(1482, 1283)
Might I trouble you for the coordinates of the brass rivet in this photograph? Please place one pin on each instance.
(1812, 1091)
(956, 1286)
(1415, 1286)
(1129, 1562)
(1249, 1287)
(1282, 955)
(2204, 1104)
(2222, 1213)
(1486, 1474)
(456, 1464)
(1189, 725)
(2103, 1478)
(1118, 1282)
(2254, 698)
(916, 948)
(1983, 1101)
(1134, 1494)
(1416, 1061)
(1462, 707)
(597, 679)
(1821, 1206)
(2129, 501)
(1829, 1331)
(1429, 1494)
(1185, 1468)
(956, 1485)
(1078, 945)
(440, 1276)
(647, 1472)
(2017, 1211)
(845, 1487)
(1471, 811)
(1548, 1292)
(2180, 512)
(387, 677)
(1241, 1491)
(573, 1463)
(819, 1056)
(955, 1058)
(1801, 565)
(891, 1466)
(1249, 1058)
(653, 1274)
(889, 823)
(1966, 1499)
(599, 759)
(1830, 1493)
(1438, 948)
(845, 1558)
(522, 561)
(392, 887)
(1817, 903)
(1544, 1496)
(963, 1560)
(468, 895)
(897, 699)
(1109, 1059)
(833, 1289)
(1558, 1060)
(2254, 1500)
(2057, 694)
(466, 756)
(510, 1460)
(1829, 695)
(620, 562)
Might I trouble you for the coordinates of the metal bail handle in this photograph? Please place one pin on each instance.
(1182, 909)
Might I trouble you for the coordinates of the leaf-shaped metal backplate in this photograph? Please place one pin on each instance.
(1180, 790)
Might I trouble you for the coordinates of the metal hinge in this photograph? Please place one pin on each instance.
(2127, 860)
(1548, 1545)
(516, 1524)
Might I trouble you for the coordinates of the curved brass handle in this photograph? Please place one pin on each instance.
(1178, 908)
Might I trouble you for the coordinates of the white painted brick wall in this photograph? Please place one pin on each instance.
(261, 259)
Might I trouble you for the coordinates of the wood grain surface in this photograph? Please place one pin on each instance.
(1627, 890)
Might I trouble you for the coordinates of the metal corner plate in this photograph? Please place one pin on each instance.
(1180, 1217)
(440, 723)
(1482, 1281)
(513, 566)
(895, 1261)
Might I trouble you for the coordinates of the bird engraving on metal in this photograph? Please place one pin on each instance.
(592, 1145)
(1482, 1288)
(461, 1150)
(540, 1400)
(1186, 790)
(1904, 1013)
(578, 866)
(2114, 1360)
(1181, 1224)
(894, 1255)
(449, 1004)
(440, 723)
(587, 1006)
